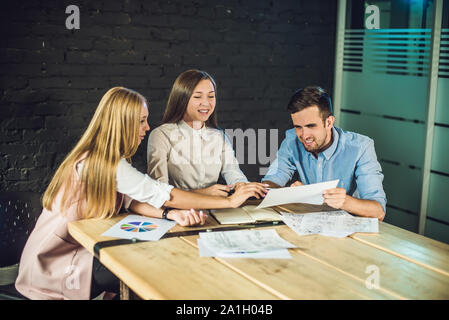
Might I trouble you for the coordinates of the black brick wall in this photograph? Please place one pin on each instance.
(52, 78)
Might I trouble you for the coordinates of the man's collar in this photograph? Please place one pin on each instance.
(331, 150)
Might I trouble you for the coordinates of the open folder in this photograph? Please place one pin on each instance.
(246, 214)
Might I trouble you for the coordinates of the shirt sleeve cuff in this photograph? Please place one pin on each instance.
(382, 203)
(242, 179)
(127, 202)
(164, 195)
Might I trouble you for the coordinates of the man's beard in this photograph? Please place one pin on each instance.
(318, 148)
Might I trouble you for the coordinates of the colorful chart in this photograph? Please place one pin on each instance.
(138, 226)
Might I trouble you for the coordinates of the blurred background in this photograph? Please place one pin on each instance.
(385, 64)
(393, 86)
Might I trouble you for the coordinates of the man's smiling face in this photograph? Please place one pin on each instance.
(314, 133)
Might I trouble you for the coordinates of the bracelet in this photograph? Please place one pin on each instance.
(165, 212)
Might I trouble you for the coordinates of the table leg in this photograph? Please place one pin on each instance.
(124, 291)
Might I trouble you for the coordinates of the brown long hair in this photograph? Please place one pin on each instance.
(180, 95)
(112, 134)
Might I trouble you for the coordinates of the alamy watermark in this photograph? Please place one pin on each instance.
(372, 21)
(72, 282)
(73, 20)
(216, 147)
(373, 280)
(372, 14)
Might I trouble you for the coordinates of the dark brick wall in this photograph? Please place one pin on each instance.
(52, 78)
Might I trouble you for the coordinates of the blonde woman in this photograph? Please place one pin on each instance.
(188, 150)
(94, 181)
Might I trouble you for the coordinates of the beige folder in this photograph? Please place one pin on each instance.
(246, 214)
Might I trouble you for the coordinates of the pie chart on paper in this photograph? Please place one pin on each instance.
(138, 226)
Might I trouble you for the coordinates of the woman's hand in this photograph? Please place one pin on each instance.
(296, 184)
(240, 184)
(187, 217)
(247, 190)
(216, 190)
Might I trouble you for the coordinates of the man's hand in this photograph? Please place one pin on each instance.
(335, 197)
(296, 184)
(187, 217)
(271, 184)
(338, 199)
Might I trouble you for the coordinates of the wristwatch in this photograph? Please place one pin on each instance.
(165, 212)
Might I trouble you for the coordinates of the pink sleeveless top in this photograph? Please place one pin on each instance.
(53, 264)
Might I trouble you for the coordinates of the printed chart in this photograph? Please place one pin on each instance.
(138, 226)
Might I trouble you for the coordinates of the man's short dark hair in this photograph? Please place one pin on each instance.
(310, 96)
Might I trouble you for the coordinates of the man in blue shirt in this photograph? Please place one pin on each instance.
(319, 152)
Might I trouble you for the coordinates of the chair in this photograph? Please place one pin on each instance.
(18, 215)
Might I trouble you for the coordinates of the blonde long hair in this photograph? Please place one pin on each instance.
(112, 134)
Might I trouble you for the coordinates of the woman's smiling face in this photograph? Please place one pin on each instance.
(201, 104)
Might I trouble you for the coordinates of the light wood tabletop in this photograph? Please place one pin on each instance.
(421, 250)
(409, 266)
(166, 269)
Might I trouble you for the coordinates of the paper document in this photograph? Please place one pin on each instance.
(270, 254)
(309, 193)
(245, 214)
(243, 240)
(140, 227)
(331, 223)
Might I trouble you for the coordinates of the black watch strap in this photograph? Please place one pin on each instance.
(165, 212)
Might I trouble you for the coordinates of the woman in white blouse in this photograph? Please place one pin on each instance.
(94, 181)
(188, 150)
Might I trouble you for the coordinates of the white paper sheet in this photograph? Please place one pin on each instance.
(243, 240)
(270, 254)
(309, 193)
(140, 227)
(330, 223)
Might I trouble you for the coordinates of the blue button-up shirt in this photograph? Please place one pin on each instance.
(351, 158)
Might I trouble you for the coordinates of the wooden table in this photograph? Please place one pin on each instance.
(409, 266)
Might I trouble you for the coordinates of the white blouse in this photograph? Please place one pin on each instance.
(191, 159)
(138, 186)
